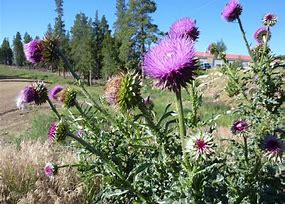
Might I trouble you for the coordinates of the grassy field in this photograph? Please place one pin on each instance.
(161, 98)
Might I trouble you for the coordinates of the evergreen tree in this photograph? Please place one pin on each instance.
(123, 34)
(110, 56)
(81, 46)
(18, 49)
(97, 46)
(6, 53)
(59, 29)
(146, 31)
(49, 31)
(134, 30)
(27, 38)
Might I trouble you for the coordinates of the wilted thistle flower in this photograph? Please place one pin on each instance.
(27, 95)
(172, 62)
(41, 93)
(123, 91)
(200, 145)
(269, 19)
(232, 11)
(239, 126)
(50, 169)
(50, 46)
(184, 27)
(54, 91)
(273, 146)
(57, 131)
(67, 97)
(261, 33)
(33, 51)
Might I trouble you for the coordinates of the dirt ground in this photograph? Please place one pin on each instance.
(12, 120)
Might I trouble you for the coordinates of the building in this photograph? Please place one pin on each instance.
(206, 57)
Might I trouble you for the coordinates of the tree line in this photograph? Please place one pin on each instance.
(95, 50)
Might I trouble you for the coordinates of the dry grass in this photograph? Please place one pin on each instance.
(22, 179)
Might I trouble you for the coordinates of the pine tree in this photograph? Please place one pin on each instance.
(27, 38)
(6, 53)
(97, 48)
(123, 34)
(59, 23)
(49, 31)
(110, 56)
(81, 46)
(146, 31)
(18, 49)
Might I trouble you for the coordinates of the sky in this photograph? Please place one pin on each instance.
(33, 16)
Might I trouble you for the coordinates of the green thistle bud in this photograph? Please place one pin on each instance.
(123, 91)
(41, 95)
(67, 97)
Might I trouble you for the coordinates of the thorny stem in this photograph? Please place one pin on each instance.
(53, 108)
(246, 42)
(245, 149)
(182, 128)
(111, 165)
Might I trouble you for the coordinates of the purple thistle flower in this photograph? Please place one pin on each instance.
(269, 19)
(54, 91)
(33, 51)
(184, 27)
(273, 146)
(239, 126)
(52, 131)
(260, 34)
(50, 169)
(232, 11)
(172, 62)
(27, 95)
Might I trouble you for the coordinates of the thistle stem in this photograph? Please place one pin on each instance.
(245, 149)
(245, 40)
(53, 108)
(111, 165)
(182, 128)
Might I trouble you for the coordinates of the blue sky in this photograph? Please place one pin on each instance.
(33, 16)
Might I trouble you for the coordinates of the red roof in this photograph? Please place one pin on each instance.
(228, 56)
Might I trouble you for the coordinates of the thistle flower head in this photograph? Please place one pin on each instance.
(67, 97)
(260, 35)
(123, 91)
(200, 145)
(57, 131)
(41, 95)
(27, 95)
(50, 169)
(239, 126)
(54, 91)
(33, 51)
(273, 147)
(232, 11)
(269, 19)
(184, 27)
(172, 62)
(50, 45)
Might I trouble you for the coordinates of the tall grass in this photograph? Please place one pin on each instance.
(22, 179)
